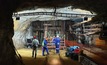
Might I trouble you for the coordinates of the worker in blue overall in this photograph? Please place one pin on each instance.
(44, 44)
(57, 44)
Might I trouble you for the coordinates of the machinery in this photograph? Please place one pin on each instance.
(72, 52)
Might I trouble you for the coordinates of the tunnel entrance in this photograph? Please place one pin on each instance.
(73, 32)
(45, 28)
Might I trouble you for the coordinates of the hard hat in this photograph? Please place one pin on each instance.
(57, 36)
(34, 37)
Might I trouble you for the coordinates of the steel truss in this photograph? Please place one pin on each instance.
(69, 15)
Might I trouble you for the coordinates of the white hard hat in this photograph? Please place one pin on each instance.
(57, 36)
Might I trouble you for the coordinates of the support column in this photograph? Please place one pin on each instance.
(46, 29)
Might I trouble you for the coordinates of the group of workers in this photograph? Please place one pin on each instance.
(55, 40)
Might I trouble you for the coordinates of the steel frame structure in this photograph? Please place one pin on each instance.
(69, 15)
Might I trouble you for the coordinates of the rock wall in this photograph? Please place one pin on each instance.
(8, 55)
(22, 32)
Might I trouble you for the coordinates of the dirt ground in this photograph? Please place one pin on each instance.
(51, 59)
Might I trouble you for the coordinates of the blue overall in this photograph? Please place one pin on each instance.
(45, 47)
(57, 44)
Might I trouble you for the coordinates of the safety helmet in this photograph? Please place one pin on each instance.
(34, 37)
